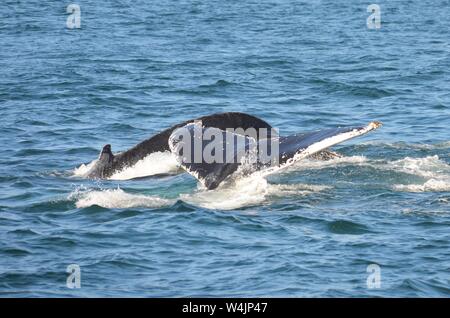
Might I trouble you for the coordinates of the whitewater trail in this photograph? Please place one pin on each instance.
(434, 171)
(247, 191)
(241, 193)
(242, 190)
(117, 199)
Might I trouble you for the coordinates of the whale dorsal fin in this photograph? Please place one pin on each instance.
(106, 154)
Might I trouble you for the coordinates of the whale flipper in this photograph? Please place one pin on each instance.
(291, 148)
(300, 146)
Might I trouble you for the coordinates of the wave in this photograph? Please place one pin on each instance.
(308, 164)
(117, 199)
(242, 193)
(434, 171)
(245, 190)
(406, 146)
(432, 185)
(427, 167)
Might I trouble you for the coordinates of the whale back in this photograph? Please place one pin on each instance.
(108, 163)
(159, 142)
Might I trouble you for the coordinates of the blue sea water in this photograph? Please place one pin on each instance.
(137, 67)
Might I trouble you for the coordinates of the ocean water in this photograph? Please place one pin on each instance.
(313, 229)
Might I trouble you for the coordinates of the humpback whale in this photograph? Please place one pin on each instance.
(212, 174)
(109, 163)
(238, 147)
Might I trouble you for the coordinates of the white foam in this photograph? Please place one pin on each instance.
(444, 200)
(434, 171)
(445, 144)
(84, 169)
(116, 199)
(241, 190)
(154, 163)
(430, 166)
(308, 164)
(246, 191)
(403, 145)
(433, 185)
(233, 194)
(228, 198)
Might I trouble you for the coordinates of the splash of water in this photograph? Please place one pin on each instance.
(245, 189)
(84, 169)
(434, 171)
(153, 164)
(117, 198)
